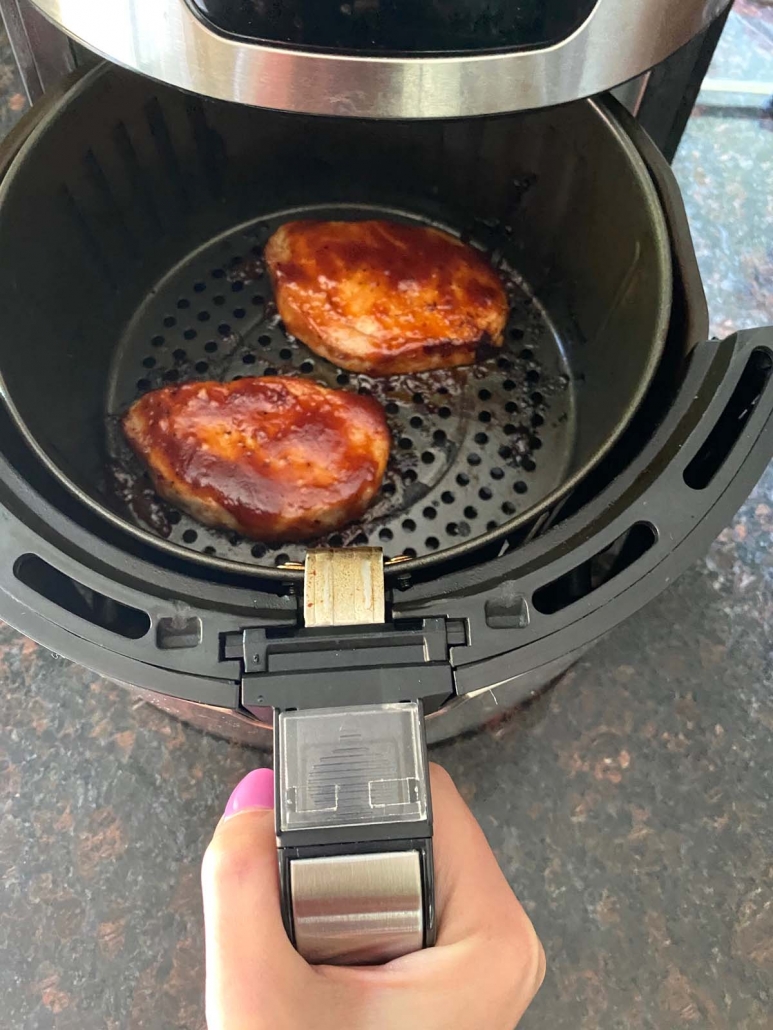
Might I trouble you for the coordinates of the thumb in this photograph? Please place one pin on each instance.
(251, 964)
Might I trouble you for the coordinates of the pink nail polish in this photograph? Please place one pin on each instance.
(256, 790)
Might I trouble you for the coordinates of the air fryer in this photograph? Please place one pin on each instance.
(531, 502)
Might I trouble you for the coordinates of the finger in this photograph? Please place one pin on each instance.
(472, 895)
(488, 962)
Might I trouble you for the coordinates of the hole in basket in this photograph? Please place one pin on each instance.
(484, 395)
(439, 436)
(173, 517)
(170, 321)
(257, 300)
(190, 536)
(269, 370)
(452, 529)
(248, 359)
(463, 479)
(209, 550)
(537, 420)
(343, 380)
(447, 497)
(143, 384)
(510, 611)
(508, 508)
(239, 312)
(79, 599)
(281, 559)
(594, 572)
(258, 550)
(336, 540)
(149, 362)
(308, 366)
(218, 299)
(203, 316)
(237, 286)
(182, 303)
(157, 341)
(385, 534)
(473, 459)
(410, 476)
(360, 540)
(388, 489)
(174, 632)
(470, 512)
(171, 375)
(444, 412)
(409, 552)
(409, 525)
(484, 416)
(217, 273)
(285, 354)
(520, 487)
(179, 354)
(427, 457)
(511, 407)
(429, 513)
(201, 367)
(481, 438)
(190, 334)
(432, 543)
(405, 443)
(528, 465)
(224, 329)
(497, 472)
(491, 525)
(210, 346)
(416, 421)
(485, 493)
(717, 446)
(264, 341)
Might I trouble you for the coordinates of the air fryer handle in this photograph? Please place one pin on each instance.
(354, 832)
(353, 808)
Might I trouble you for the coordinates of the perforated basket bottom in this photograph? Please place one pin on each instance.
(472, 448)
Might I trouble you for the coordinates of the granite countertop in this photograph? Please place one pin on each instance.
(629, 806)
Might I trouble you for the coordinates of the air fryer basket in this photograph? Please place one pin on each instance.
(136, 218)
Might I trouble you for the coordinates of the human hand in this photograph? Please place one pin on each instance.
(484, 970)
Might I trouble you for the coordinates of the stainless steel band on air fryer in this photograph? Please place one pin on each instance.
(166, 40)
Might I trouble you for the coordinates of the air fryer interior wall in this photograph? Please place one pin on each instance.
(116, 198)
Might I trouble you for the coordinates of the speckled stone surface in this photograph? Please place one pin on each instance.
(630, 806)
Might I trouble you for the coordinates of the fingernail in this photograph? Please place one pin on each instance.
(256, 790)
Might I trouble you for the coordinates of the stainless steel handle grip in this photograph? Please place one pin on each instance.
(353, 909)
